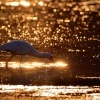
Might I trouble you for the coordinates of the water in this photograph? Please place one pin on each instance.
(58, 73)
(20, 92)
(31, 65)
(70, 30)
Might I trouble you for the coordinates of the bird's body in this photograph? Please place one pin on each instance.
(18, 47)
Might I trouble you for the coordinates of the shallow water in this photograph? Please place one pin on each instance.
(70, 30)
(41, 73)
(20, 92)
(30, 65)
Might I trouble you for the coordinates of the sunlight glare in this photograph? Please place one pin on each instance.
(33, 64)
(67, 92)
(61, 64)
(32, 18)
(14, 3)
(24, 3)
(40, 3)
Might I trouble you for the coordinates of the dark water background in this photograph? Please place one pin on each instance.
(69, 29)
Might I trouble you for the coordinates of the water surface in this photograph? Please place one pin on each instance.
(20, 92)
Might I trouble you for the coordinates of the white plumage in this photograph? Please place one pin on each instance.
(18, 47)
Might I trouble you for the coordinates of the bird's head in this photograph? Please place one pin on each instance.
(51, 58)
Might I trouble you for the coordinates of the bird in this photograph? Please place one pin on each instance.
(22, 48)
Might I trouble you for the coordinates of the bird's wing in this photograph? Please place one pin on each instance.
(17, 47)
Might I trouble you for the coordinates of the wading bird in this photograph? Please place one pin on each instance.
(19, 47)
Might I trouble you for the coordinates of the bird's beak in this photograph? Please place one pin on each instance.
(51, 59)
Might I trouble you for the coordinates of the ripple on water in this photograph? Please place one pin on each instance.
(67, 92)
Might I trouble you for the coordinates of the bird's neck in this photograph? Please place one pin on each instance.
(40, 54)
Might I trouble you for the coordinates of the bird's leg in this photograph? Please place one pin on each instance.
(12, 55)
(21, 58)
(20, 68)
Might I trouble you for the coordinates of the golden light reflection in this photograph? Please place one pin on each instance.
(33, 64)
(24, 3)
(71, 92)
(61, 64)
(40, 3)
(32, 18)
(15, 3)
